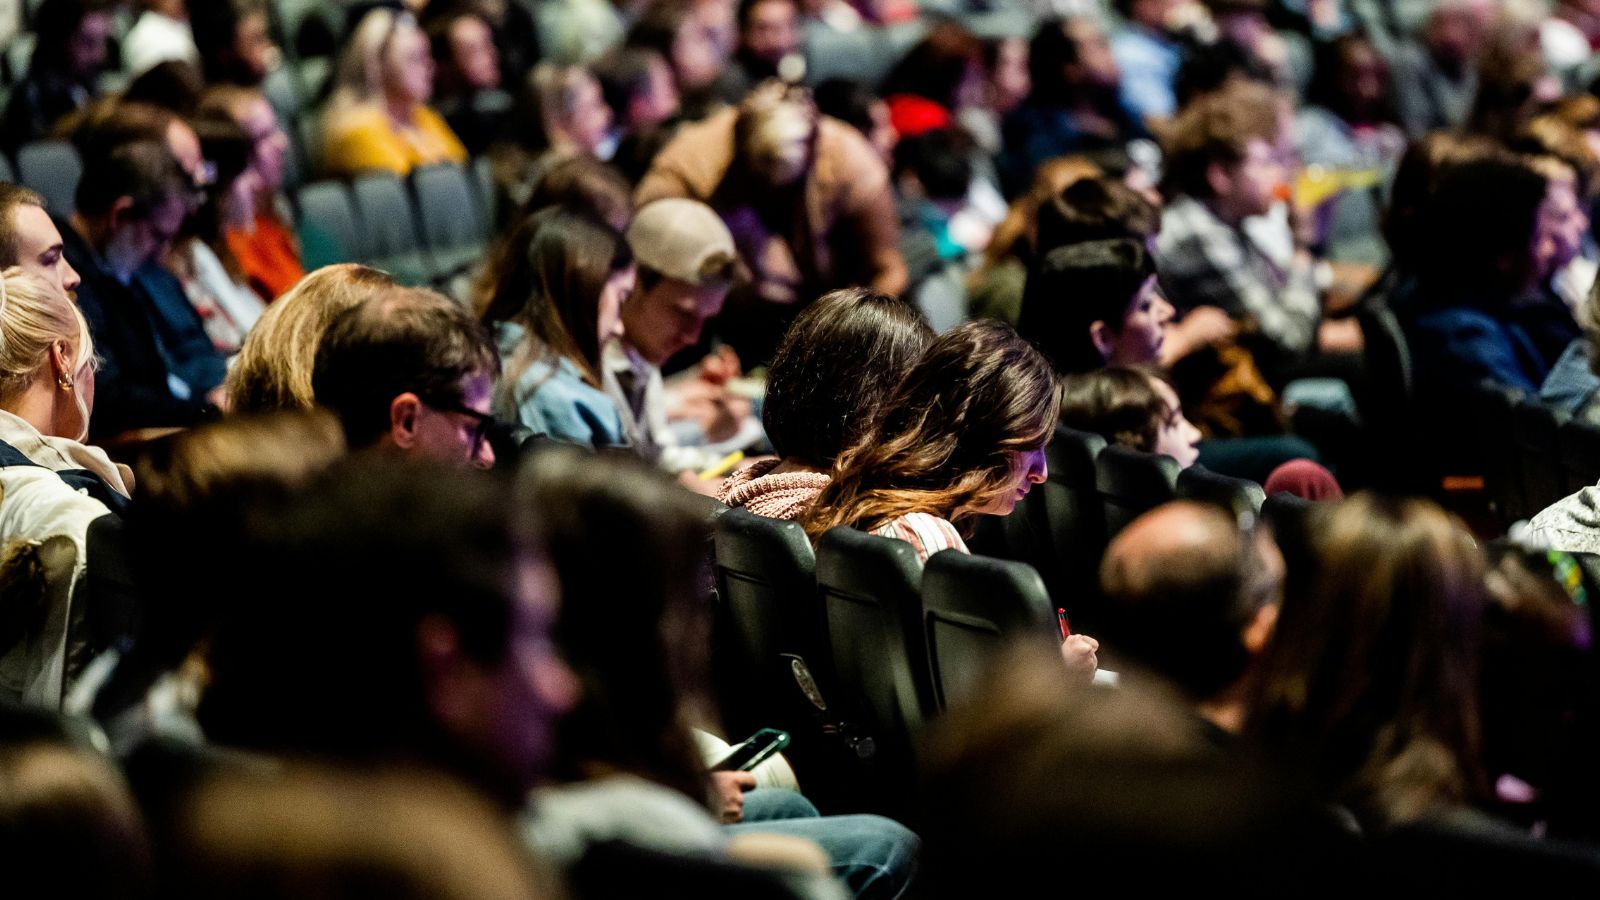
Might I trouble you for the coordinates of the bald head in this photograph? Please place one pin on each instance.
(1185, 586)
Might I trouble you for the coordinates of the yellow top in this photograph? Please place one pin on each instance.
(364, 138)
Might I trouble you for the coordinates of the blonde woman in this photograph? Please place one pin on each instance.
(379, 116)
(47, 369)
(52, 487)
(273, 368)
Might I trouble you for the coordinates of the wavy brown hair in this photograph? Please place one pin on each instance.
(950, 435)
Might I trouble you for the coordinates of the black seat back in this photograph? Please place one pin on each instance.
(877, 657)
(970, 606)
(1237, 495)
(1131, 483)
(1538, 430)
(1386, 404)
(767, 617)
(1494, 426)
(1580, 454)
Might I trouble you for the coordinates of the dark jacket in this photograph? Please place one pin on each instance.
(132, 388)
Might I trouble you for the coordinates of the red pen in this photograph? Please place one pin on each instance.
(1061, 619)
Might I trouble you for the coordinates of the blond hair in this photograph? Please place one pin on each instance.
(772, 119)
(34, 315)
(359, 77)
(273, 369)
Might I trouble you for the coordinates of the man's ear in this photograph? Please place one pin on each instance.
(119, 214)
(1100, 334)
(439, 659)
(1219, 179)
(1259, 631)
(403, 413)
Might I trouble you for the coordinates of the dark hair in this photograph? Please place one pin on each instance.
(142, 169)
(657, 29)
(173, 85)
(624, 74)
(1096, 208)
(549, 281)
(947, 438)
(934, 68)
(940, 159)
(1072, 288)
(1413, 183)
(1329, 87)
(834, 366)
(583, 185)
(225, 145)
(1505, 98)
(54, 25)
(1215, 129)
(338, 580)
(1118, 404)
(11, 197)
(746, 7)
(1476, 229)
(216, 33)
(848, 101)
(640, 655)
(438, 27)
(400, 340)
(1217, 67)
(1050, 51)
(1182, 609)
(112, 121)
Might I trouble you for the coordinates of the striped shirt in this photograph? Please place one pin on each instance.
(927, 534)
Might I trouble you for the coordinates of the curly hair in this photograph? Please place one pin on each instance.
(950, 436)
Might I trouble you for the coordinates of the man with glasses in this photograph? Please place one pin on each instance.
(130, 203)
(411, 370)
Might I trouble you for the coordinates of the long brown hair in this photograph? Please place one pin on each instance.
(1370, 682)
(949, 435)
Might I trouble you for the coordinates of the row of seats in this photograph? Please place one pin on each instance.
(851, 649)
(1533, 455)
(429, 228)
(1062, 526)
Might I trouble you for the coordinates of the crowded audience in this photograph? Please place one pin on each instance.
(434, 433)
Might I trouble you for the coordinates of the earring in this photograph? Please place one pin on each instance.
(66, 383)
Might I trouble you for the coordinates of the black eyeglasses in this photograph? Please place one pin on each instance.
(480, 430)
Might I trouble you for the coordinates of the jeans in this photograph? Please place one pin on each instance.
(873, 856)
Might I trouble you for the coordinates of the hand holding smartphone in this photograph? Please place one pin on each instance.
(753, 751)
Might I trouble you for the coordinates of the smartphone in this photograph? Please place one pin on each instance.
(753, 751)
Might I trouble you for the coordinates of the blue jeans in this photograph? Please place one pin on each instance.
(873, 856)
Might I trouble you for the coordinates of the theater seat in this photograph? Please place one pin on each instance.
(1237, 495)
(391, 227)
(453, 228)
(53, 169)
(877, 657)
(1580, 454)
(329, 230)
(1131, 483)
(1494, 426)
(970, 606)
(1538, 430)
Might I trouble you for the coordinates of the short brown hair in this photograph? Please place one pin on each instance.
(1216, 128)
(11, 197)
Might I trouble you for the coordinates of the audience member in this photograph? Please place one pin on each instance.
(1224, 166)
(637, 84)
(130, 204)
(828, 380)
(809, 205)
(557, 300)
(70, 51)
(30, 240)
(769, 47)
(235, 41)
(678, 31)
(1096, 304)
(1436, 77)
(1148, 55)
(625, 758)
(378, 116)
(1194, 600)
(274, 366)
(1073, 106)
(572, 113)
(468, 87)
(995, 287)
(265, 247)
(1369, 686)
(686, 263)
(934, 79)
(962, 435)
(409, 370)
(1132, 409)
(200, 257)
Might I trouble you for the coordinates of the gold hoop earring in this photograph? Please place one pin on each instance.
(66, 384)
